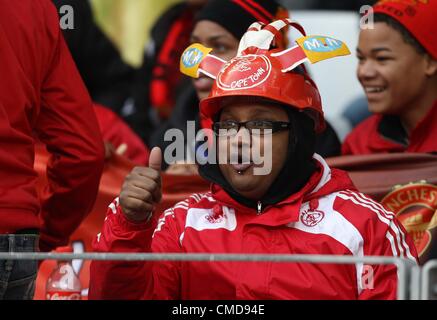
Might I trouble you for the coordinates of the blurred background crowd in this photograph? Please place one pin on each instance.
(128, 55)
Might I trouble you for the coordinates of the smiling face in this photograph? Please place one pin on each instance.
(224, 45)
(393, 74)
(241, 176)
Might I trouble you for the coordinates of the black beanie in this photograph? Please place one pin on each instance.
(237, 15)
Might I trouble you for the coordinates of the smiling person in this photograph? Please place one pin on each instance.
(398, 71)
(299, 206)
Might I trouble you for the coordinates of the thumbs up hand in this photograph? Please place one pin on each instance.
(141, 189)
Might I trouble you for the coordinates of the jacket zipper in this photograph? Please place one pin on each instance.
(259, 207)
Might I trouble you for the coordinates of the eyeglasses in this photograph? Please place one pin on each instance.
(255, 127)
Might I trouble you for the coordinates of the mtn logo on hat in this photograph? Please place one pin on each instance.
(246, 72)
(192, 57)
(321, 44)
(415, 207)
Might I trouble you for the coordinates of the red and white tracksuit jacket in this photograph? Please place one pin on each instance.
(328, 216)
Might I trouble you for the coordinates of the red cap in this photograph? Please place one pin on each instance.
(417, 16)
(268, 81)
(263, 72)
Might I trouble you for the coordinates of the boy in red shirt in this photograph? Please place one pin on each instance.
(398, 71)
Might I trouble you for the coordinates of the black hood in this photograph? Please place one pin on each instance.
(297, 170)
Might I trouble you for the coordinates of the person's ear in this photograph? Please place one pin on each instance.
(431, 66)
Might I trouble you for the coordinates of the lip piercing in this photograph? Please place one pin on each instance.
(239, 172)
